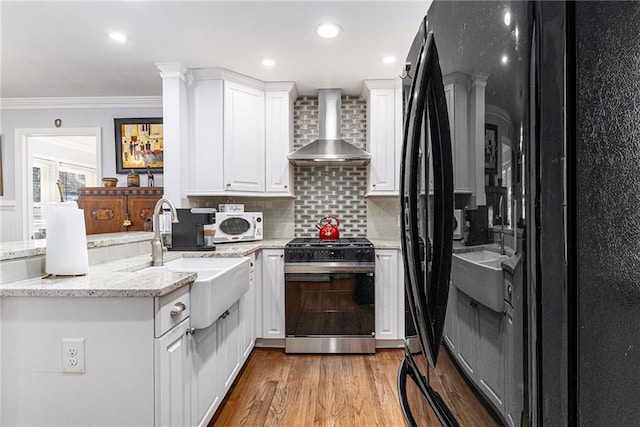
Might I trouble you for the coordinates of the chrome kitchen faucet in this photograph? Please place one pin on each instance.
(156, 243)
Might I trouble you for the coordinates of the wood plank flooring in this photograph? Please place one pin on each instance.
(278, 389)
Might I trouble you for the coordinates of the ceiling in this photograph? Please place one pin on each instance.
(62, 49)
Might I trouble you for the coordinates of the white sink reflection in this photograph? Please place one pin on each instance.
(220, 283)
(479, 275)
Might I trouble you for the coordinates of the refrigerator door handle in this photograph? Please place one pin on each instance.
(443, 200)
(428, 287)
(409, 369)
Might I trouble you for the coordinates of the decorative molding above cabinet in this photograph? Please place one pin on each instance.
(235, 134)
(384, 135)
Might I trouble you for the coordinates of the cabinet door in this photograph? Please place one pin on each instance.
(140, 207)
(491, 352)
(229, 345)
(243, 138)
(207, 381)
(456, 93)
(247, 315)
(387, 302)
(279, 142)
(384, 123)
(103, 214)
(273, 293)
(451, 321)
(467, 353)
(206, 152)
(173, 398)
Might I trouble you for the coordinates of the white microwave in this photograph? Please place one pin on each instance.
(238, 227)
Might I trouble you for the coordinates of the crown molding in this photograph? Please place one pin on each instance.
(81, 102)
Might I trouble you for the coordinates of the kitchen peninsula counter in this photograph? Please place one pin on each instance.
(119, 278)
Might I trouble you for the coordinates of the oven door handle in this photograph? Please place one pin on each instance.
(313, 268)
(308, 277)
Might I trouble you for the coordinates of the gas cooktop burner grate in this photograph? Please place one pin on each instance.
(346, 250)
(307, 242)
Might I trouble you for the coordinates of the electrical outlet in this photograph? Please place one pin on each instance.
(73, 355)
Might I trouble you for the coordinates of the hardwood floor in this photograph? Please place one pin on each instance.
(277, 389)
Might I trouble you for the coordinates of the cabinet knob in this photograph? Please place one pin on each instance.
(178, 308)
(228, 185)
(286, 186)
(191, 331)
(373, 185)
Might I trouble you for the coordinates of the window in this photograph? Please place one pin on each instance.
(46, 173)
(70, 159)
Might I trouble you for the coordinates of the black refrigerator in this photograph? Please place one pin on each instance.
(526, 116)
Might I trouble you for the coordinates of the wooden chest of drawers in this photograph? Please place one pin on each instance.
(111, 210)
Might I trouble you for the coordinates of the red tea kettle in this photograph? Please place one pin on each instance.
(329, 228)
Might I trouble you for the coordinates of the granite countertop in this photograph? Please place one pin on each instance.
(29, 248)
(122, 278)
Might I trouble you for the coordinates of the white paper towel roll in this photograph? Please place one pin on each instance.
(66, 240)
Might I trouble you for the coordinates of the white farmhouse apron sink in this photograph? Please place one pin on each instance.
(220, 283)
(479, 275)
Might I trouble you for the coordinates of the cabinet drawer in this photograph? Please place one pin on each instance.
(176, 302)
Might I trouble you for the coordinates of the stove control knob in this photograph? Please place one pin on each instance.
(364, 255)
(309, 255)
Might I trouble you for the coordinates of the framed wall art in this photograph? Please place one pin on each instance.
(490, 148)
(139, 144)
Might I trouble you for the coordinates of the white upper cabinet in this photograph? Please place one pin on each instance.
(244, 138)
(279, 99)
(230, 134)
(384, 135)
(456, 91)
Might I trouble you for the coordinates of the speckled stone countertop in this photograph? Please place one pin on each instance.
(386, 244)
(123, 278)
(29, 248)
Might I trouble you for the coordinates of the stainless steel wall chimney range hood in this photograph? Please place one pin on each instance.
(329, 149)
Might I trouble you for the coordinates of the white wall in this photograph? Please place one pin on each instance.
(74, 113)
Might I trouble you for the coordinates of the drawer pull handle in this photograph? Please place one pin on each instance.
(178, 308)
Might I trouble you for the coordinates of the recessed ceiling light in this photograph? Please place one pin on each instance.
(328, 31)
(389, 59)
(507, 18)
(268, 62)
(119, 37)
(504, 59)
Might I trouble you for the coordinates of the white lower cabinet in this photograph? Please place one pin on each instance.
(229, 345)
(478, 338)
(389, 295)
(173, 393)
(273, 293)
(219, 352)
(136, 357)
(206, 378)
(216, 361)
(248, 313)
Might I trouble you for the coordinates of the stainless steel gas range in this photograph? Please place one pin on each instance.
(329, 296)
